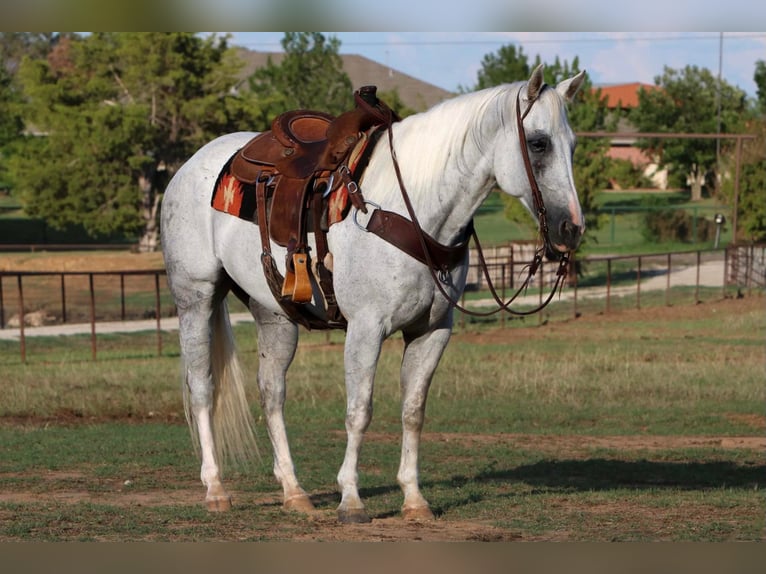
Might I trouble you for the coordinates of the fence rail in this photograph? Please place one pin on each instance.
(93, 298)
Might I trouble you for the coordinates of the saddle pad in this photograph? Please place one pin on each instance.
(232, 196)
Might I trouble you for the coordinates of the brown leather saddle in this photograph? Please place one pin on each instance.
(294, 166)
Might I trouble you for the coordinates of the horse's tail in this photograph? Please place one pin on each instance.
(232, 421)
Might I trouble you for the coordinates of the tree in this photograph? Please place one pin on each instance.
(120, 113)
(309, 76)
(394, 101)
(509, 64)
(13, 47)
(751, 212)
(760, 81)
(688, 102)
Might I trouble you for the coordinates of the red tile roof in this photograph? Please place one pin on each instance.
(632, 154)
(623, 95)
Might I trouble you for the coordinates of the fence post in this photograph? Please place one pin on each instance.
(638, 284)
(122, 296)
(667, 288)
(502, 295)
(573, 267)
(2, 305)
(22, 338)
(92, 317)
(157, 312)
(697, 285)
(608, 285)
(63, 299)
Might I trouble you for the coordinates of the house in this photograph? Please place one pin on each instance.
(621, 97)
(414, 93)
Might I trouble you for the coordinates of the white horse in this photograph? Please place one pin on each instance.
(450, 158)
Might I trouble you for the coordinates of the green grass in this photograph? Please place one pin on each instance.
(501, 397)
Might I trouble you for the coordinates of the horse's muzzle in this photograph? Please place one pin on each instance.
(566, 237)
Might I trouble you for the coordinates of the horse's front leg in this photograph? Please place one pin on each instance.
(421, 357)
(277, 341)
(362, 349)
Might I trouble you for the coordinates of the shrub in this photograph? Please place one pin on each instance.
(668, 224)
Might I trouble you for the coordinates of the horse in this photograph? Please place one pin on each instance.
(449, 158)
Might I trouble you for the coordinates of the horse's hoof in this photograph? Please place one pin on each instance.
(218, 504)
(299, 503)
(417, 514)
(354, 516)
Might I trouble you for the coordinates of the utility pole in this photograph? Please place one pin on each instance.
(718, 114)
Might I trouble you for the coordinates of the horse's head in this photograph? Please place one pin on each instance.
(541, 174)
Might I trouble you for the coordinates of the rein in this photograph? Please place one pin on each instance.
(539, 205)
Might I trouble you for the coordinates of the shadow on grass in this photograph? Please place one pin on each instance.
(603, 475)
(550, 476)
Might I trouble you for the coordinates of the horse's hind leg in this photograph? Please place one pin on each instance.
(277, 340)
(421, 357)
(195, 340)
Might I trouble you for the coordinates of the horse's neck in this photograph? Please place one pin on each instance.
(446, 167)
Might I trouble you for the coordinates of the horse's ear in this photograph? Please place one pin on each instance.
(535, 83)
(568, 88)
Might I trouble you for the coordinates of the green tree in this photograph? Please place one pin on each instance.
(309, 76)
(120, 112)
(688, 102)
(14, 46)
(394, 101)
(760, 82)
(751, 212)
(751, 207)
(509, 64)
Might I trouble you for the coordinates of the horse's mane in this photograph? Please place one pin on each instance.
(450, 131)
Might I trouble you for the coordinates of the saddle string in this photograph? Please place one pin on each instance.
(533, 266)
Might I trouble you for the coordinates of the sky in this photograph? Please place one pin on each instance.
(452, 59)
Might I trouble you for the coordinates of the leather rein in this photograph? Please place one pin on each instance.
(426, 243)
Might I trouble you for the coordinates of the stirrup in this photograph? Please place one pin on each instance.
(300, 288)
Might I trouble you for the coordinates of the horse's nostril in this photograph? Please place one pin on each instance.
(570, 233)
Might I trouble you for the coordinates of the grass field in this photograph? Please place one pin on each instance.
(640, 425)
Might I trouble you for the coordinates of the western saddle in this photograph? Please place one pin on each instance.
(295, 167)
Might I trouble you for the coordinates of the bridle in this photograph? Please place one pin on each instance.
(539, 206)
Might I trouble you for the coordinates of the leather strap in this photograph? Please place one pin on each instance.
(274, 278)
(537, 196)
(402, 233)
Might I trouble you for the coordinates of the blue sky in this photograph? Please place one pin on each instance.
(452, 59)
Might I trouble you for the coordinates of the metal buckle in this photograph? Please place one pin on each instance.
(355, 211)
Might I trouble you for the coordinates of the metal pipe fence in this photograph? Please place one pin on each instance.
(106, 301)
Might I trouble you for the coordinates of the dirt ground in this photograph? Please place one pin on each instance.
(323, 524)
(80, 261)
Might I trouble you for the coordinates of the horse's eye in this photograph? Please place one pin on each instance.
(538, 144)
